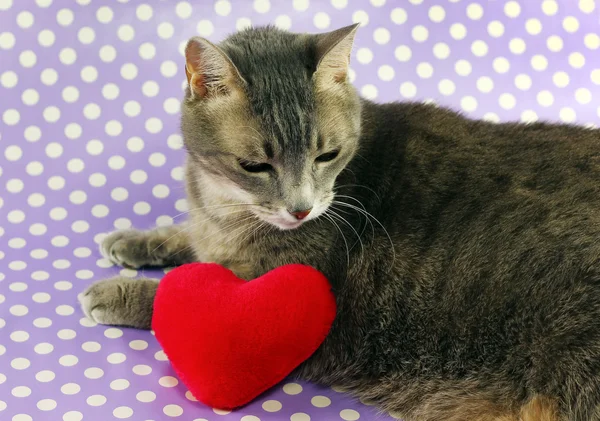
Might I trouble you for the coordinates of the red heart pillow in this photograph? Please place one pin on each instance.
(230, 340)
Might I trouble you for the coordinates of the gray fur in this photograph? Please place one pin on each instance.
(464, 255)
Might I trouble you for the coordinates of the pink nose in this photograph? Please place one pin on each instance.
(300, 214)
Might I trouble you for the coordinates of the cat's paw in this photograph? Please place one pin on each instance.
(127, 248)
(120, 301)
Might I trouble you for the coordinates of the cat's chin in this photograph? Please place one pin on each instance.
(285, 225)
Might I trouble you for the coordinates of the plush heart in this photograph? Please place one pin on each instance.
(230, 340)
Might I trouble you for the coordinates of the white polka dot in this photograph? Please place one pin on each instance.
(425, 70)
(539, 62)
(40, 275)
(19, 363)
(19, 336)
(15, 216)
(67, 56)
(399, 16)
(583, 96)
(144, 12)
(68, 361)
(292, 388)
(560, 79)
(64, 17)
(7, 41)
(168, 381)
(545, 98)
(63, 285)
(458, 31)
(446, 87)
(64, 310)
(299, 416)
(97, 180)
(96, 400)
(587, 6)
(441, 50)
(77, 197)
(349, 415)
(474, 11)
(66, 334)
(165, 30)
(592, 41)
(13, 153)
(175, 141)
(381, 36)
(21, 391)
(183, 9)
(177, 174)
(271, 405)
(45, 376)
(125, 33)
(485, 84)
(43, 3)
(70, 94)
(18, 309)
(249, 418)
(116, 162)
(570, 24)
(41, 297)
(116, 358)
(523, 81)
(11, 117)
(479, 48)
(153, 125)
(93, 373)
(46, 38)
(463, 67)
(9, 79)
(567, 115)
(145, 396)
(517, 46)
(73, 416)
(507, 101)
(25, 19)
(161, 356)
(420, 33)
(321, 20)
(300, 5)
(550, 7)
(39, 253)
(119, 384)
(595, 76)
(123, 412)
(113, 333)
(110, 91)
(364, 55)
(554, 43)
(533, 26)
(468, 103)
(17, 243)
(160, 191)
(147, 51)
(512, 9)
(495, 28)
(172, 106)
(280, 21)
(104, 14)
(150, 88)
(113, 128)
(85, 322)
(43, 348)
(501, 65)
(320, 401)
(91, 111)
(576, 60)
(22, 417)
(173, 410)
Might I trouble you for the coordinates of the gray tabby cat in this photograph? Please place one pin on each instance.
(464, 255)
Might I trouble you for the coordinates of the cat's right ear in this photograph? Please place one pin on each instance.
(208, 69)
(333, 54)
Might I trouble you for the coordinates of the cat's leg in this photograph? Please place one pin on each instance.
(161, 246)
(120, 301)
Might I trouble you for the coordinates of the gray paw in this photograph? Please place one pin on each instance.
(128, 248)
(120, 301)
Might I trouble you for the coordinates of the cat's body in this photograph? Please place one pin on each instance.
(474, 291)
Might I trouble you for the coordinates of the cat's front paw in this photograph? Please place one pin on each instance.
(127, 248)
(120, 301)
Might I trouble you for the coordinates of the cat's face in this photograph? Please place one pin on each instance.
(270, 120)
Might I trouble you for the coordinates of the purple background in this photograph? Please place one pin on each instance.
(89, 142)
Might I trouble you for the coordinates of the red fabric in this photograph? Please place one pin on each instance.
(230, 340)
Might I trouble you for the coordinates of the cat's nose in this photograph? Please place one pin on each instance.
(300, 214)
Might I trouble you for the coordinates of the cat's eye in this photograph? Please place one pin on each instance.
(326, 157)
(255, 167)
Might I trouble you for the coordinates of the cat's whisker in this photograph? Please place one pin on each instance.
(187, 227)
(213, 207)
(342, 219)
(361, 186)
(376, 220)
(343, 238)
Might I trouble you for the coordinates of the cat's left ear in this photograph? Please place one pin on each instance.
(333, 54)
(210, 72)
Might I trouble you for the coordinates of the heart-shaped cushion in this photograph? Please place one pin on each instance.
(229, 340)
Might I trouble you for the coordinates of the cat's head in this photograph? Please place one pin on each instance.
(270, 119)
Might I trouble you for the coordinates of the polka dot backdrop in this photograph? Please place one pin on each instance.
(89, 142)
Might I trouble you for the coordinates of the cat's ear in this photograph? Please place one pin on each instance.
(208, 69)
(333, 54)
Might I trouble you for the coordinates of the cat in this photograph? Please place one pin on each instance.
(464, 255)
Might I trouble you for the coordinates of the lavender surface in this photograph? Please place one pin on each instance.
(89, 142)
